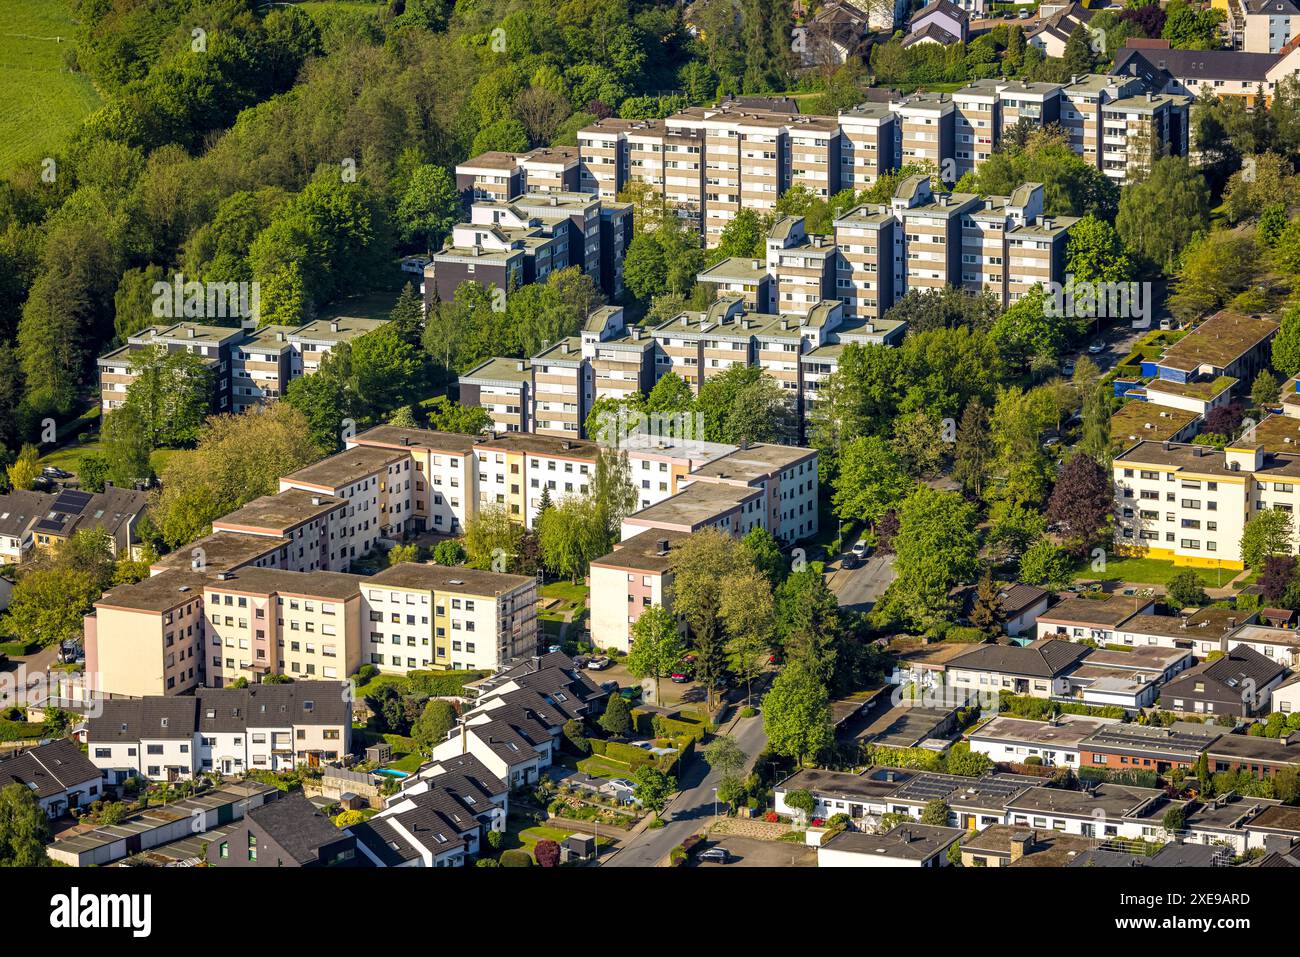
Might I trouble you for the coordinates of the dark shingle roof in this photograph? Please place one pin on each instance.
(1042, 659)
(297, 826)
(50, 769)
(1236, 672)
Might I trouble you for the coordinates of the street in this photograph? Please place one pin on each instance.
(691, 812)
(859, 588)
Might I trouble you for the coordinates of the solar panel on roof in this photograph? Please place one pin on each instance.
(72, 501)
(46, 525)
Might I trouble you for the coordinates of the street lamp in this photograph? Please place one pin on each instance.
(715, 806)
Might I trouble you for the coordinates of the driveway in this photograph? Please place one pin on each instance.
(858, 589)
(748, 852)
(693, 809)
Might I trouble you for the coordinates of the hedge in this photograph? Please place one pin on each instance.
(17, 649)
(516, 858)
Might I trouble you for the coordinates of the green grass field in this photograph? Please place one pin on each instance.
(41, 101)
(1152, 571)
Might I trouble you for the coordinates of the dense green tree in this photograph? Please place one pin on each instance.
(434, 723)
(1159, 214)
(935, 549)
(871, 480)
(656, 646)
(24, 828)
(797, 714)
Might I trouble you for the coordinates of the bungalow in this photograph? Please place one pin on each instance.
(1275, 828)
(1092, 618)
(1103, 811)
(1009, 740)
(1124, 747)
(1006, 845)
(1262, 757)
(904, 845)
(1037, 669)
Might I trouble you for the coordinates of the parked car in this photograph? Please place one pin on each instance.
(1024, 14)
(599, 664)
(715, 855)
(1067, 367)
(1097, 348)
(850, 561)
(862, 549)
(53, 471)
(580, 661)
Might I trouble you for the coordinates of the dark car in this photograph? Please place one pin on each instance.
(850, 561)
(715, 855)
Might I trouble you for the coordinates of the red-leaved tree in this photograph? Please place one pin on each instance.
(1081, 503)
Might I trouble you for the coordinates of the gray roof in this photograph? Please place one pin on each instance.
(1042, 659)
(297, 826)
(1240, 669)
(912, 842)
(49, 769)
(1233, 65)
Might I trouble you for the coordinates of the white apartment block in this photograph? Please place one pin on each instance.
(1190, 504)
(422, 617)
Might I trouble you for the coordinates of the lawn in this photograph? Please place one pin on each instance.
(41, 100)
(599, 766)
(1150, 571)
(566, 592)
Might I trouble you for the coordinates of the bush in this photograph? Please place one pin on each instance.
(494, 839)
(366, 674)
(966, 634)
(516, 858)
(547, 853)
(486, 862)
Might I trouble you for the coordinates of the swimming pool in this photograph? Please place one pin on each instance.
(393, 773)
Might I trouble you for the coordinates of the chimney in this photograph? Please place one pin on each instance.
(905, 836)
(189, 331)
(279, 337)
(1198, 450)
(1165, 445)
(663, 546)
(1022, 843)
(315, 499)
(566, 445)
(334, 326)
(1223, 643)
(519, 366)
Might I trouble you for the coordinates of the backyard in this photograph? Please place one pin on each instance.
(1150, 571)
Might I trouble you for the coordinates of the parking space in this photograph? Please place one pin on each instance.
(748, 852)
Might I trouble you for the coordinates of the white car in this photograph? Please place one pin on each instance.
(1097, 348)
(861, 549)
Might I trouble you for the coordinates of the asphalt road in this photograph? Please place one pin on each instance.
(860, 588)
(694, 806)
